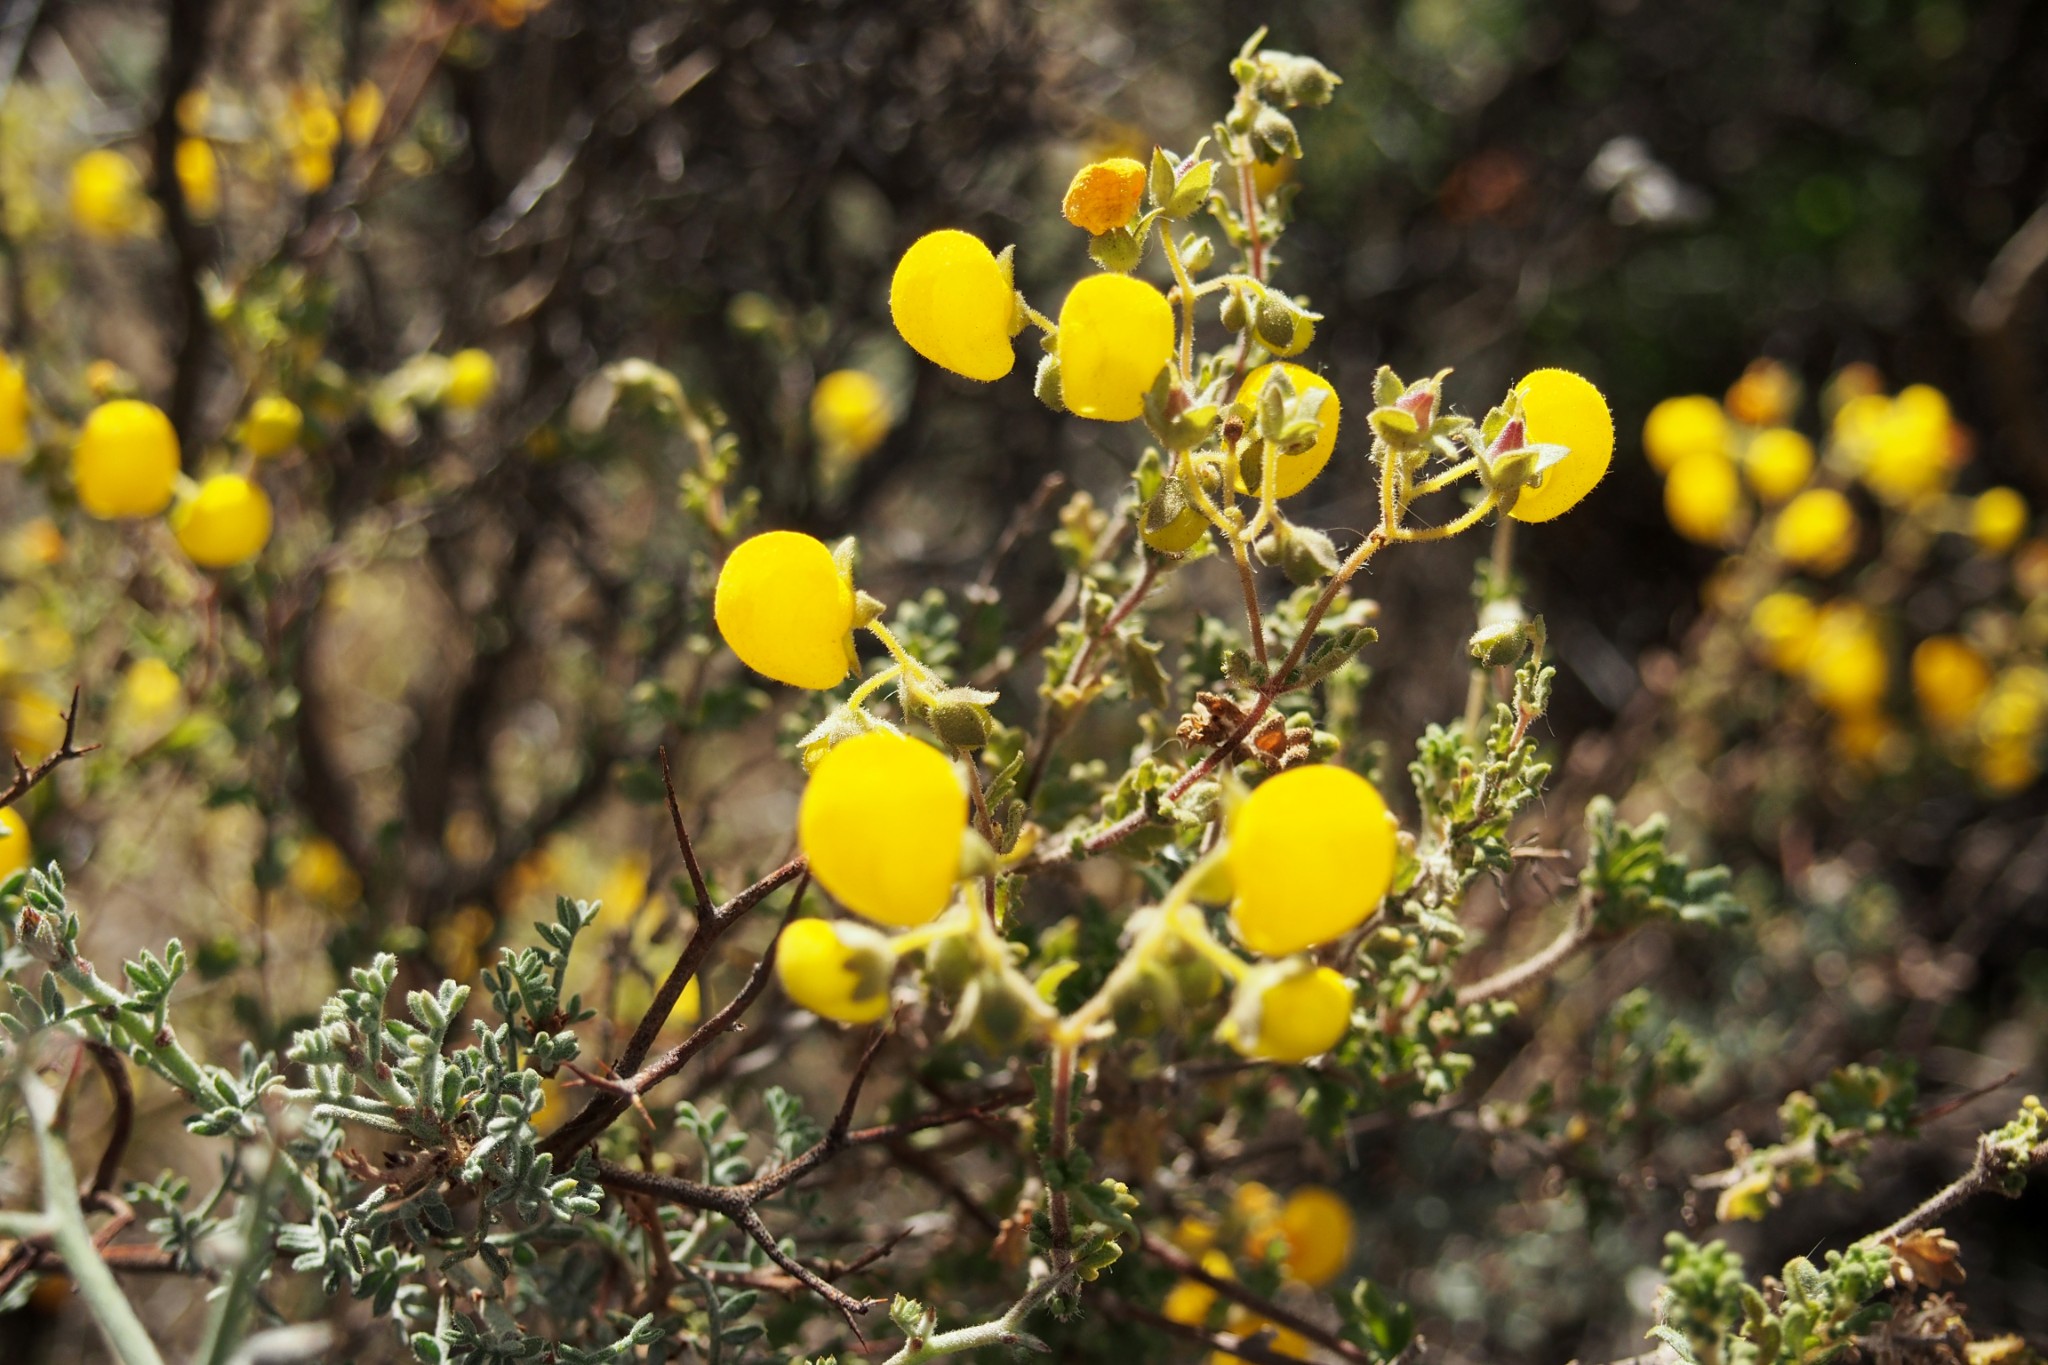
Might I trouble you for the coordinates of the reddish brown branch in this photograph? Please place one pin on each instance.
(25, 777)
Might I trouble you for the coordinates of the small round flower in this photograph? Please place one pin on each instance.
(836, 969)
(1116, 335)
(1318, 1227)
(1950, 680)
(125, 461)
(1910, 457)
(1778, 463)
(225, 523)
(16, 852)
(272, 426)
(1678, 427)
(1817, 531)
(472, 379)
(1703, 498)
(1998, 517)
(1560, 408)
(786, 609)
(363, 113)
(1782, 624)
(1289, 1012)
(1189, 1301)
(1105, 195)
(107, 199)
(151, 694)
(1296, 472)
(2003, 769)
(1847, 669)
(881, 821)
(953, 302)
(1765, 395)
(320, 873)
(850, 414)
(1311, 854)
(13, 410)
(198, 170)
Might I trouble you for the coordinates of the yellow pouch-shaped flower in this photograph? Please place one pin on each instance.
(881, 822)
(1311, 854)
(1560, 408)
(1116, 335)
(1296, 471)
(125, 461)
(953, 302)
(785, 608)
(227, 522)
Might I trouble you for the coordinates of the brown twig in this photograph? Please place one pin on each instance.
(1178, 1261)
(1990, 1171)
(1247, 1346)
(115, 1070)
(25, 777)
(1560, 950)
(675, 815)
(614, 1099)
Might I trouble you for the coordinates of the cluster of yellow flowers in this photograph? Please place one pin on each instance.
(1980, 686)
(1311, 1232)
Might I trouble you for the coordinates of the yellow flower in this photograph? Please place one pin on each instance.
(1864, 737)
(319, 871)
(850, 414)
(272, 426)
(150, 693)
(1846, 667)
(786, 609)
(2012, 715)
(1678, 427)
(472, 379)
(881, 822)
(1311, 854)
(13, 410)
(312, 167)
(107, 199)
(1105, 195)
(1782, 624)
(36, 543)
(225, 523)
(1116, 335)
(125, 461)
(16, 852)
(1817, 531)
(1289, 1013)
(953, 302)
(1764, 396)
(1560, 408)
(1296, 471)
(35, 723)
(198, 177)
(1778, 463)
(363, 112)
(2005, 768)
(1317, 1225)
(1910, 456)
(1998, 517)
(1189, 1301)
(1950, 680)
(836, 969)
(1703, 498)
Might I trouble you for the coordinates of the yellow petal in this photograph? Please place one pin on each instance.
(1311, 854)
(125, 461)
(786, 610)
(1296, 471)
(1564, 409)
(881, 822)
(953, 304)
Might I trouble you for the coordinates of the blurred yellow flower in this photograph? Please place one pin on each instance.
(320, 873)
(1777, 463)
(850, 414)
(1782, 624)
(836, 969)
(1817, 530)
(1847, 669)
(35, 723)
(1317, 1224)
(107, 198)
(1998, 518)
(151, 694)
(1950, 680)
(272, 426)
(1703, 497)
(16, 852)
(472, 379)
(363, 113)
(224, 523)
(125, 461)
(1765, 395)
(14, 444)
(1678, 427)
(198, 177)
(1909, 452)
